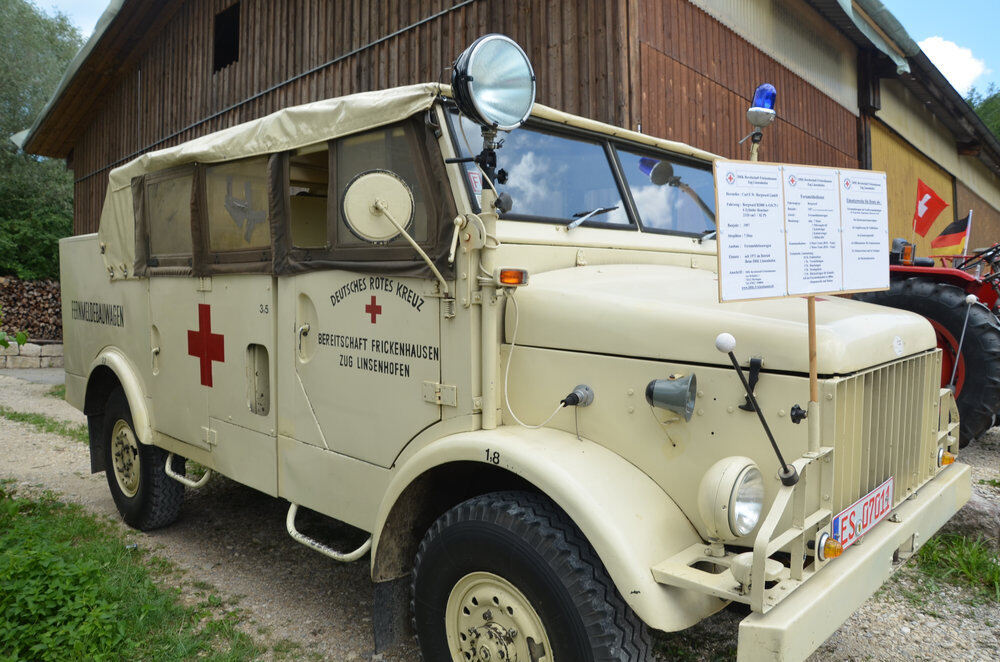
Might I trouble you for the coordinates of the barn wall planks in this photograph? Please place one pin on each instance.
(663, 64)
(166, 92)
(985, 217)
(903, 166)
(697, 78)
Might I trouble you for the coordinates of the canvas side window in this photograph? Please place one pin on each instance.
(168, 214)
(308, 183)
(236, 206)
(391, 148)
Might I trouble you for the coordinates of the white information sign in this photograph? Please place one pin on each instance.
(866, 230)
(791, 230)
(812, 222)
(749, 202)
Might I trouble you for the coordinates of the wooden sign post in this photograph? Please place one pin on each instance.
(789, 230)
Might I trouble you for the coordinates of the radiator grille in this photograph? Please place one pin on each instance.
(885, 426)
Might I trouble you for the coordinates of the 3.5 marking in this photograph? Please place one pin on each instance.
(265, 309)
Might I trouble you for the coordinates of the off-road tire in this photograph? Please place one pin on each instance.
(979, 398)
(525, 539)
(157, 501)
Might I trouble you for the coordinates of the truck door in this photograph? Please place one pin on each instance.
(177, 305)
(235, 337)
(359, 324)
(212, 335)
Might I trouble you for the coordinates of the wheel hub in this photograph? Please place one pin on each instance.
(125, 457)
(489, 620)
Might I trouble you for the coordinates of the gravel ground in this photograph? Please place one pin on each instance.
(233, 538)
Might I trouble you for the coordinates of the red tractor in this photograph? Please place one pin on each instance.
(968, 331)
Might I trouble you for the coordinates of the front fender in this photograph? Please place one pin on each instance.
(114, 359)
(631, 523)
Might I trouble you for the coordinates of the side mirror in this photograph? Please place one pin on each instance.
(378, 207)
(361, 206)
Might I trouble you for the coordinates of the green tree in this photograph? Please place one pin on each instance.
(987, 106)
(36, 194)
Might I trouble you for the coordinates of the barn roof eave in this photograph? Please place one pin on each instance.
(31, 142)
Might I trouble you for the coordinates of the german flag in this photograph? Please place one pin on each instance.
(952, 239)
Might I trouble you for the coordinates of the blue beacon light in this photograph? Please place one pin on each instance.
(763, 96)
(761, 112)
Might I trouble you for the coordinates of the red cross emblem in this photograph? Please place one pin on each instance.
(847, 183)
(792, 180)
(373, 309)
(205, 345)
(730, 177)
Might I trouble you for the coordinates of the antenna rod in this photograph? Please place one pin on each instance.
(726, 343)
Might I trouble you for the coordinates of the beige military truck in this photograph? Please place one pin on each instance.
(502, 364)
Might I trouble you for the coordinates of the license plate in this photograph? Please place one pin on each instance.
(859, 518)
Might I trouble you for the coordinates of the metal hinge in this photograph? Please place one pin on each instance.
(441, 394)
(209, 436)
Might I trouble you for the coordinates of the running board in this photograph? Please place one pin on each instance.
(184, 480)
(317, 546)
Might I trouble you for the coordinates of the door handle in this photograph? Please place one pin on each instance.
(303, 332)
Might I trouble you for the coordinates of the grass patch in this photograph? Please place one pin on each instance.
(43, 423)
(75, 589)
(967, 562)
(58, 391)
(992, 482)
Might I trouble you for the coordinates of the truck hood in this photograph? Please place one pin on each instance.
(673, 313)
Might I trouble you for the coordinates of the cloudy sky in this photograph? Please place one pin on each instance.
(960, 37)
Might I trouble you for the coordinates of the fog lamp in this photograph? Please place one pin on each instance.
(828, 547)
(493, 82)
(731, 498)
(945, 458)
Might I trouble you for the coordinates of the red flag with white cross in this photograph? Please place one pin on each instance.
(929, 206)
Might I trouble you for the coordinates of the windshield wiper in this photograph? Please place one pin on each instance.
(706, 234)
(584, 215)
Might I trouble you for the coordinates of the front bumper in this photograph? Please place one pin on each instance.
(796, 626)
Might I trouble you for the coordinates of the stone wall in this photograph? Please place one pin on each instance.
(32, 306)
(32, 355)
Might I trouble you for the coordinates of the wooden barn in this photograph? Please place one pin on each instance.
(854, 89)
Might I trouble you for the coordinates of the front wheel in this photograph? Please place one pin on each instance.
(145, 496)
(507, 576)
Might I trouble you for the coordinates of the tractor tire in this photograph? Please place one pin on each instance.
(145, 496)
(508, 576)
(978, 375)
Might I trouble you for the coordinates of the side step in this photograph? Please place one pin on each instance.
(184, 480)
(317, 546)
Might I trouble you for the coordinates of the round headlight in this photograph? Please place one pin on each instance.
(494, 83)
(746, 501)
(731, 498)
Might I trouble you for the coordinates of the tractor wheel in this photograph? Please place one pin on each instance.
(977, 369)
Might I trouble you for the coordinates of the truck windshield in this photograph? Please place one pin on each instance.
(669, 195)
(551, 178)
(557, 178)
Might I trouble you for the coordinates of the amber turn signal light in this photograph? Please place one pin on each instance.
(832, 548)
(511, 277)
(945, 458)
(828, 547)
(907, 254)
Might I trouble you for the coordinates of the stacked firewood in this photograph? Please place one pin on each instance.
(31, 306)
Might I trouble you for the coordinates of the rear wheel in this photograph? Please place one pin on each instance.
(976, 368)
(144, 495)
(507, 576)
